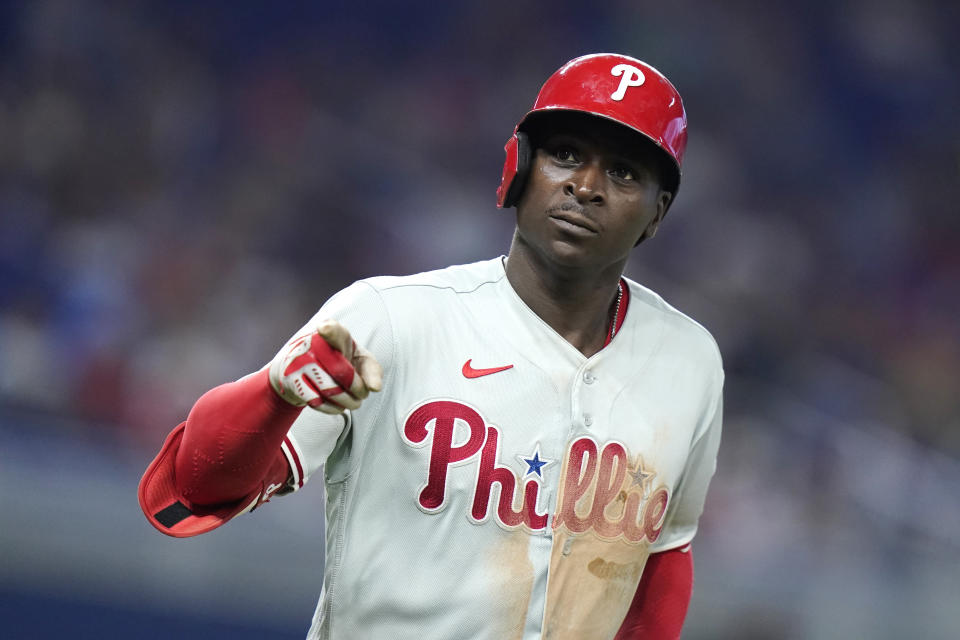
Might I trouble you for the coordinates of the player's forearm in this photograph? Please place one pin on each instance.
(232, 437)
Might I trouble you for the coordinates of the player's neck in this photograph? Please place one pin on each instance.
(577, 305)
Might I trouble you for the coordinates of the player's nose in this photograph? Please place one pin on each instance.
(586, 184)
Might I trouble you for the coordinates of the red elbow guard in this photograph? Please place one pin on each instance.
(224, 460)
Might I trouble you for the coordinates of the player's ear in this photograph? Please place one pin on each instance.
(663, 203)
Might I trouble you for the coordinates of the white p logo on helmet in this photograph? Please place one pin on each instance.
(632, 77)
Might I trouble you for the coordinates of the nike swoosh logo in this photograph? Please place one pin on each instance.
(470, 372)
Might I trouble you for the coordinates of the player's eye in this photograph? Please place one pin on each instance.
(565, 154)
(623, 173)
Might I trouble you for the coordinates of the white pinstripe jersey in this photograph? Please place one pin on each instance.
(502, 485)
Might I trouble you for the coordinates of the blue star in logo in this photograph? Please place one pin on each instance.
(534, 464)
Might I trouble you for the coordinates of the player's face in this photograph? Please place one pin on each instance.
(593, 193)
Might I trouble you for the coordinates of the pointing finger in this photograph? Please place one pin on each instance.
(337, 337)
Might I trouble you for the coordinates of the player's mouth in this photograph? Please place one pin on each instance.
(567, 219)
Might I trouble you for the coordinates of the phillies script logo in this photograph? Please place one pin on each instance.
(599, 489)
(598, 493)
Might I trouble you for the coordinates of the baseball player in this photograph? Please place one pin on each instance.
(516, 448)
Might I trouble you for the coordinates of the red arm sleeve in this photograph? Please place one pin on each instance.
(231, 443)
(660, 603)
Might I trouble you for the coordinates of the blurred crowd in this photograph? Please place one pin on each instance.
(182, 185)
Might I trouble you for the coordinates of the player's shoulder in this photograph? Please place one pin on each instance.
(406, 296)
(461, 278)
(678, 326)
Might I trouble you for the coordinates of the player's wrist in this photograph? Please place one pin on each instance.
(282, 393)
(279, 403)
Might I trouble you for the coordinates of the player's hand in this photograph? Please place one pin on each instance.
(325, 370)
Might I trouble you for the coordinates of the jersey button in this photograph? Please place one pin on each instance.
(587, 419)
(589, 378)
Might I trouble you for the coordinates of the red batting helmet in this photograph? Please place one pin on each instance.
(612, 86)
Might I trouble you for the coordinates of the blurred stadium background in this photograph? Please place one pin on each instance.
(183, 183)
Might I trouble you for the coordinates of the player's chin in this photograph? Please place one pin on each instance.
(598, 254)
(572, 254)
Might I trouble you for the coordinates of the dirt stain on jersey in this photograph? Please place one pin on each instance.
(513, 577)
(591, 585)
(606, 570)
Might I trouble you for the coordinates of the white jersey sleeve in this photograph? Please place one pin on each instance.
(314, 435)
(683, 516)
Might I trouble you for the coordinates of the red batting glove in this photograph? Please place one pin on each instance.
(325, 370)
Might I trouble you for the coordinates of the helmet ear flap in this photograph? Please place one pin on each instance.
(518, 144)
